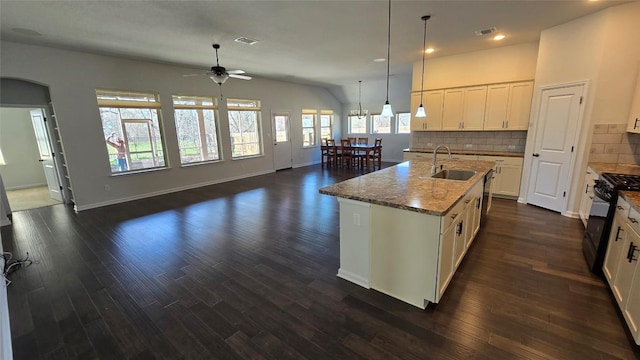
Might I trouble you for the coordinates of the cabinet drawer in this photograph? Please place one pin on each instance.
(634, 220)
(453, 215)
(622, 208)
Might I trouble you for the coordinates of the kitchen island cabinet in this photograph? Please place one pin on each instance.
(403, 232)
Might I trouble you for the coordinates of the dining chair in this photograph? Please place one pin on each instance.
(347, 153)
(334, 154)
(377, 153)
(353, 140)
(324, 153)
(363, 140)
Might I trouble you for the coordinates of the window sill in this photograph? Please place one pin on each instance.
(311, 147)
(208, 162)
(142, 171)
(247, 157)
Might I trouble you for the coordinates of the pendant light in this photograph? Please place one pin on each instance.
(420, 113)
(386, 109)
(359, 113)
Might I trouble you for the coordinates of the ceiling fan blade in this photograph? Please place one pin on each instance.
(243, 77)
(201, 74)
(235, 71)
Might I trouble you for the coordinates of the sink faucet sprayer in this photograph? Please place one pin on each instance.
(435, 157)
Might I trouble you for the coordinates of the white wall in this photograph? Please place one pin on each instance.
(502, 64)
(18, 143)
(72, 78)
(603, 49)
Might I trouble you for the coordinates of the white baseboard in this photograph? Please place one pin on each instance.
(168, 191)
(356, 279)
(571, 214)
(20, 187)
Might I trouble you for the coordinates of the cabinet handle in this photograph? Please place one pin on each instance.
(467, 201)
(633, 220)
(506, 127)
(478, 203)
(453, 216)
(618, 233)
(619, 207)
(635, 125)
(503, 124)
(632, 250)
(586, 190)
(535, 155)
(459, 229)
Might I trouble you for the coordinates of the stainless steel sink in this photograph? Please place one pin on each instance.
(450, 174)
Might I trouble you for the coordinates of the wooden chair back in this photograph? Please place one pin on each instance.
(353, 140)
(363, 141)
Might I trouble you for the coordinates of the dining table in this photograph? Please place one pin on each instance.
(366, 150)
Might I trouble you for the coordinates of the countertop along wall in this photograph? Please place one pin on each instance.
(72, 78)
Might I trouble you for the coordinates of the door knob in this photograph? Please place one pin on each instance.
(41, 160)
(536, 155)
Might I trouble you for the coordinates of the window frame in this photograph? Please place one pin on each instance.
(330, 114)
(202, 134)
(397, 125)
(350, 121)
(250, 105)
(120, 100)
(313, 127)
(373, 126)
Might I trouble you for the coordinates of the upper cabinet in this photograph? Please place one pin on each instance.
(489, 107)
(432, 102)
(634, 115)
(508, 106)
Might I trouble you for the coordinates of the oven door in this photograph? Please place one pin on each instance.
(598, 227)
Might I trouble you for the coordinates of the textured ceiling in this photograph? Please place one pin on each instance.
(328, 43)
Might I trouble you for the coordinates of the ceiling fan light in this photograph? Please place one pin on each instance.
(219, 78)
(420, 113)
(386, 110)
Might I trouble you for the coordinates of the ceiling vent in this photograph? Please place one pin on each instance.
(484, 32)
(245, 40)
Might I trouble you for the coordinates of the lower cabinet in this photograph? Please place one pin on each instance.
(621, 267)
(507, 175)
(587, 196)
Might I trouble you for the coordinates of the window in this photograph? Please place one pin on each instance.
(381, 124)
(357, 125)
(131, 129)
(403, 123)
(197, 129)
(309, 127)
(326, 124)
(245, 127)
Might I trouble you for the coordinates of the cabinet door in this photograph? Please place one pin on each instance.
(520, 95)
(445, 265)
(460, 236)
(475, 99)
(614, 249)
(433, 104)
(417, 124)
(509, 183)
(452, 110)
(626, 269)
(632, 310)
(587, 196)
(495, 116)
(634, 114)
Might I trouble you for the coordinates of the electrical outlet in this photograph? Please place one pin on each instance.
(511, 147)
(468, 146)
(429, 144)
(107, 188)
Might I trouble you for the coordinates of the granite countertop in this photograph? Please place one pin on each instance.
(472, 152)
(408, 186)
(632, 197)
(615, 168)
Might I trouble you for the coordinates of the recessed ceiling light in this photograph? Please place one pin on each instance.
(379, 60)
(245, 40)
(430, 50)
(499, 37)
(28, 32)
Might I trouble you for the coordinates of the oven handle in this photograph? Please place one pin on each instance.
(599, 194)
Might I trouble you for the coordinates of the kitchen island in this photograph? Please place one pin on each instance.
(403, 232)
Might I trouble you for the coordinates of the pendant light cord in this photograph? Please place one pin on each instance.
(388, 50)
(424, 45)
(360, 116)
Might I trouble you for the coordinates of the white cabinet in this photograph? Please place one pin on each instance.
(433, 103)
(507, 175)
(621, 267)
(508, 106)
(464, 108)
(634, 114)
(587, 196)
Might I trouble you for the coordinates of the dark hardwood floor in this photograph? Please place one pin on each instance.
(247, 269)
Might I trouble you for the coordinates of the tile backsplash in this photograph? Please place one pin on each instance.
(612, 144)
(510, 141)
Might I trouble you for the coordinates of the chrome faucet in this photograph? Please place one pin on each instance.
(435, 157)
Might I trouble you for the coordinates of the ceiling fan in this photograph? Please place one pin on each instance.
(219, 74)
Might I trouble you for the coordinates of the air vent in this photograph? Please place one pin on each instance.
(246, 40)
(484, 32)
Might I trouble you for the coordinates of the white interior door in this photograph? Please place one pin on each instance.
(282, 152)
(46, 157)
(556, 131)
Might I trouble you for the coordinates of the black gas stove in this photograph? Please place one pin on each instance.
(596, 237)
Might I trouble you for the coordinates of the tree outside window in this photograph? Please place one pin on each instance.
(403, 123)
(357, 125)
(309, 127)
(245, 127)
(381, 124)
(197, 129)
(131, 129)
